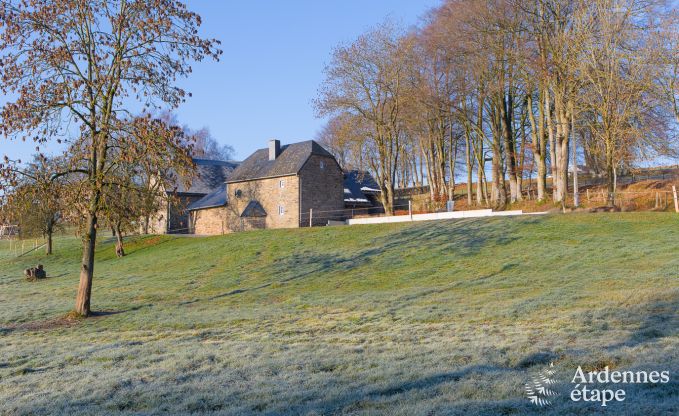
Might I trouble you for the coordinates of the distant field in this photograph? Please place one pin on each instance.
(448, 317)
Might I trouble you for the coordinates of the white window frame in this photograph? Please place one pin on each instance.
(322, 165)
(281, 183)
(281, 210)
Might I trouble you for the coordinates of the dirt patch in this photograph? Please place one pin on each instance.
(44, 325)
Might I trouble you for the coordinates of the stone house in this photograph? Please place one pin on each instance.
(276, 187)
(209, 177)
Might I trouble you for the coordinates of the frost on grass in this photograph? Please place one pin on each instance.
(451, 318)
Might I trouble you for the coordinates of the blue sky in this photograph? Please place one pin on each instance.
(274, 55)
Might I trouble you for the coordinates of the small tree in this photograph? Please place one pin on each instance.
(37, 199)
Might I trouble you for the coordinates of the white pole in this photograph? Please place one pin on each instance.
(410, 209)
(311, 217)
(676, 201)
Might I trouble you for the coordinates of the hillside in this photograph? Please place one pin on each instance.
(446, 317)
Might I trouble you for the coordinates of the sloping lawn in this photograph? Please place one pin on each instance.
(448, 317)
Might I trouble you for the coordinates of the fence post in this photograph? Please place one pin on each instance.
(311, 217)
(410, 209)
(657, 200)
(676, 201)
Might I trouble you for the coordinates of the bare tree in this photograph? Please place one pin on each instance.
(37, 200)
(619, 68)
(367, 79)
(344, 136)
(206, 147)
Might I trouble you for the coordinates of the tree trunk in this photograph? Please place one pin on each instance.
(82, 301)
(498, 196)
(611, 177)
(506, 111)
(452, 160)
(120, 249)
(48, 248)
(389, 207)
(470, 166)
(539, 145)
(552, 142)
(481, 189)
(563, 158)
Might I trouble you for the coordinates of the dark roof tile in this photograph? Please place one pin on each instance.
(210, 176)
(289, 162)
(215, 199)
(356, 185)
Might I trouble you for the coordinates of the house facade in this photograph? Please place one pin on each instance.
(276, 187)
(208, 177)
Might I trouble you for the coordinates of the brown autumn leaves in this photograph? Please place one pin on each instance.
(74, 71)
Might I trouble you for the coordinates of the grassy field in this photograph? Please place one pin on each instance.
(448, 317)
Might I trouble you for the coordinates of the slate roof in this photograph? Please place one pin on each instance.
(289, 162)
(254, 209)
(212, 200)
(356, 185)
(210, 176)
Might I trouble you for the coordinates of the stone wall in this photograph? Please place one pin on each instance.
(271, 194)
(322, 190)
(211, 221)
(222, 220)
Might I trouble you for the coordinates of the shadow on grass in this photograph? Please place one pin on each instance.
(65, 321)
(461, 238)
(659, 319)
(433, 381)
(427, 385)
(132, 245)
(101, 314)
(296, 267)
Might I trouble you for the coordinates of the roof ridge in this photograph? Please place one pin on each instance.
(289, 162)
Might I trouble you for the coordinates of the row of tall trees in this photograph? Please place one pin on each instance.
(508, 88)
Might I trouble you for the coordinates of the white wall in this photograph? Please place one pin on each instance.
(434, 216)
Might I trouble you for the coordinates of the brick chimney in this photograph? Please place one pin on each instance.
(274, 149)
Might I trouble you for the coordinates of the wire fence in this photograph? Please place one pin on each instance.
(16, 247)
(645, 200)
(653, 200)
(314, 218)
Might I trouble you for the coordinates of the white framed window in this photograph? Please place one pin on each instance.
(322, 164)
(281, 210)
(281, 183)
